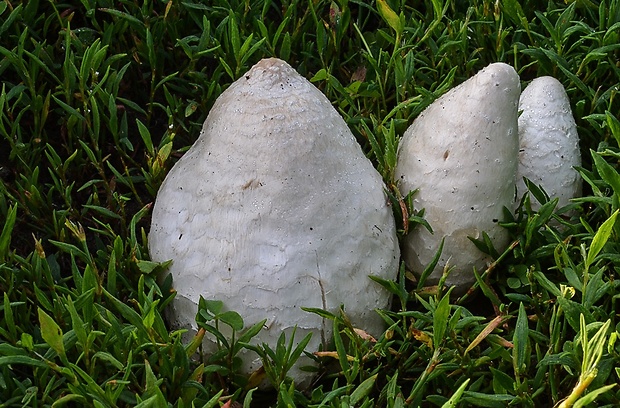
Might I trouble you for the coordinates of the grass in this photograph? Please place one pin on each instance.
(99, 98)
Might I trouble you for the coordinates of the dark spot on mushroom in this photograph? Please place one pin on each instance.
(472, 208)
(446, 154)
(251, 184)
(495, 220)
(180, 236)
(311, 229)
(247, 77)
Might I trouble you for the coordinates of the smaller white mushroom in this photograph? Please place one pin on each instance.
(461, 153)
(549, 143)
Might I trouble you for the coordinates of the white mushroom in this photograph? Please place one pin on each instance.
(549, 144)
(461, 153)
(274, 208)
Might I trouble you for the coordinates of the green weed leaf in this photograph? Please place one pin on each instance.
(454, 400)
(23, 360)
(614, 125)
(341, 351)
(5, 237)
(607, 172)
(590, 397)
(601, 238)
(8, 317)
(363, 390)
(390, 17)
(440, 320)
(231, 318)
(51, 333)
(520, 357)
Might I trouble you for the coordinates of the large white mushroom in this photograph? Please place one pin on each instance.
(274, 208)
(549, 144)
(461, 153)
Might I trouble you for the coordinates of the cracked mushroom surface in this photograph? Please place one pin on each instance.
(461, 154)
(275, 208)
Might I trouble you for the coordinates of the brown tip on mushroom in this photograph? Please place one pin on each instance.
(271, 72)
(270, 62)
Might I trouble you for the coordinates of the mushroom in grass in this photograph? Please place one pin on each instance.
(549, 144)
(461, 154)
(275, 208)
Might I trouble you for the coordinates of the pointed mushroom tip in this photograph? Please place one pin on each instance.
(547, 79)
(548, 83)
(270, 62)
(499, 74)
(502, 70)
(273, 68)
(546, 87)
(500, 66)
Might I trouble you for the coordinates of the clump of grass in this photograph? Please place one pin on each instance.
(99, 98)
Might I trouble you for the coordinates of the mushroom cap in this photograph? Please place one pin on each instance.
(274, 208)
(461, 153)
(549, 143)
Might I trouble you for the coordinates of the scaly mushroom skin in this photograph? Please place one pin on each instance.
(274, 208)
(549, 143)
(461, 153)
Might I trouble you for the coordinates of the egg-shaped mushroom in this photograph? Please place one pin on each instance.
(275, 208)
(461, 155)
(549, 143)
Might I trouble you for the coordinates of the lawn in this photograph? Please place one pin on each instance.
(100, 98)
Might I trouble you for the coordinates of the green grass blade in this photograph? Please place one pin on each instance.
(600, 239)
(5, 237)
(440, 320)
(451, 403)
(520, 357)
(590, 397)
(363, 390)
(51, 333)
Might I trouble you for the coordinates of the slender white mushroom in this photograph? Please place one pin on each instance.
(549, 143)
(274, 208)
(461, 153)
